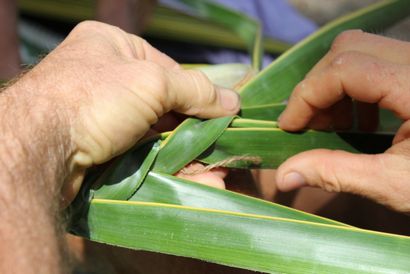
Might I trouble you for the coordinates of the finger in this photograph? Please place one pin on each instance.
(385, 48)
(212, 178)
(312, 200)
(208, 178)
(195, 167)
(321, 121)
(71, 187)
(192, 93)
(382, 177)
(265, 183)
(220, 172)
(143, 50)
(339, 116)
(403, 133)
(362, 77)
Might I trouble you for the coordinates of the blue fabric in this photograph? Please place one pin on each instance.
(279, 20)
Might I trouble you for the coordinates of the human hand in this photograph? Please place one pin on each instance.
(110, 88)
(370, 69)
(89, 100)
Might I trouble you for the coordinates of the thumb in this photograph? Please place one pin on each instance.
(380, 177)
(192, 93)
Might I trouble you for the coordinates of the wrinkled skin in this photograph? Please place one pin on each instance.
(119, 87)
(373, 70)
(89, 100)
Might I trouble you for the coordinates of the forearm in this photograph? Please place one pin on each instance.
(89, 100)
(32, 157)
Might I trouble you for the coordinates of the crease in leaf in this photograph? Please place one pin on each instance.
(116, 182)
(188, 141)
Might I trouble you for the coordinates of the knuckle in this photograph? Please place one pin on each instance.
(345, 39)
(159, 83)
(199, 77)
(340, 59)
(299, 93)
(87, 26)
(155, 80)
(140, 45)
(143, 43)
(330, 180)
(204, 90)
(343, 59)
(300, 89)
(304, 94)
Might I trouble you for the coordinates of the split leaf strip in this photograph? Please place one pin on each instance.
(255, 242)
(251, 123)
(117, 183)
(264, 112)
(276, 82)
(388, 122)
(188, 141)
(211, 142)
(245, 137)
(273, 146)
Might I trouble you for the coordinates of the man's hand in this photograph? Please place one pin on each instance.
(370, 69)
(89, 100)
(114, 86)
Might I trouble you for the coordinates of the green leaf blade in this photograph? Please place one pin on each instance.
(275, 83)
(191, 137)
(272, 145)
(248, 241)
(114, 182)
(166, 189)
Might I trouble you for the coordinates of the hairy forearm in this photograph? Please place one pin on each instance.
(90, 99)
(32, 157)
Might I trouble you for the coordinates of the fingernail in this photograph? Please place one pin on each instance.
(229, 99)
(294, 180)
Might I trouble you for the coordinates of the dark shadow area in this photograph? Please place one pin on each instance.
(368, 142)
(363, 213)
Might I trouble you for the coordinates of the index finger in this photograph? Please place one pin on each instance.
(384, 48)
(360, 76)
